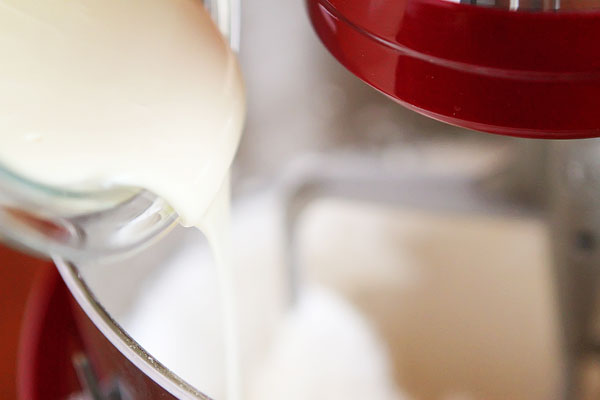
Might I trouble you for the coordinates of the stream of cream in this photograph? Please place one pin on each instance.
(142, 93)
(216, 227)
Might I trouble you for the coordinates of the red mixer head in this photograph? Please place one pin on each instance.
(527, 68)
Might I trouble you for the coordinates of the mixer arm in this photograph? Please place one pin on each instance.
(368, 178)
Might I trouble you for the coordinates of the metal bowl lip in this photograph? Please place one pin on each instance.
(529, 6)
(120, 339)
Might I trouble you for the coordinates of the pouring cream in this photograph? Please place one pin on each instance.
(141, 93)
(95, 93)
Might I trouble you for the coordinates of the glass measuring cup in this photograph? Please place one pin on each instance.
(79, 225)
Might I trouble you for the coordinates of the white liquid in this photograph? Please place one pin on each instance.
(322, 348)
(216, 228)
(143, 93)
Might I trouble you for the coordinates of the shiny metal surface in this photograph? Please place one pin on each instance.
(120, 339)
(368, 178)
(574, 214)
(535, 5)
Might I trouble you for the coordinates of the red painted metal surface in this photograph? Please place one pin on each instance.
(17, 276)
(110, 364)
(49, 338)
(530, 74)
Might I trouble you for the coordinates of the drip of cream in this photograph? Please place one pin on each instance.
(141, 93)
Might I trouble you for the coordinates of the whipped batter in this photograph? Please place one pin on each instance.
(137, 93)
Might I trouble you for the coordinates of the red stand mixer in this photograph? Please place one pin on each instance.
(527, 68)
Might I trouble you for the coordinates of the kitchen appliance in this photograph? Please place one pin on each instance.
(521, 68)
(518, 68)
(71, 348)
(471, 76)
